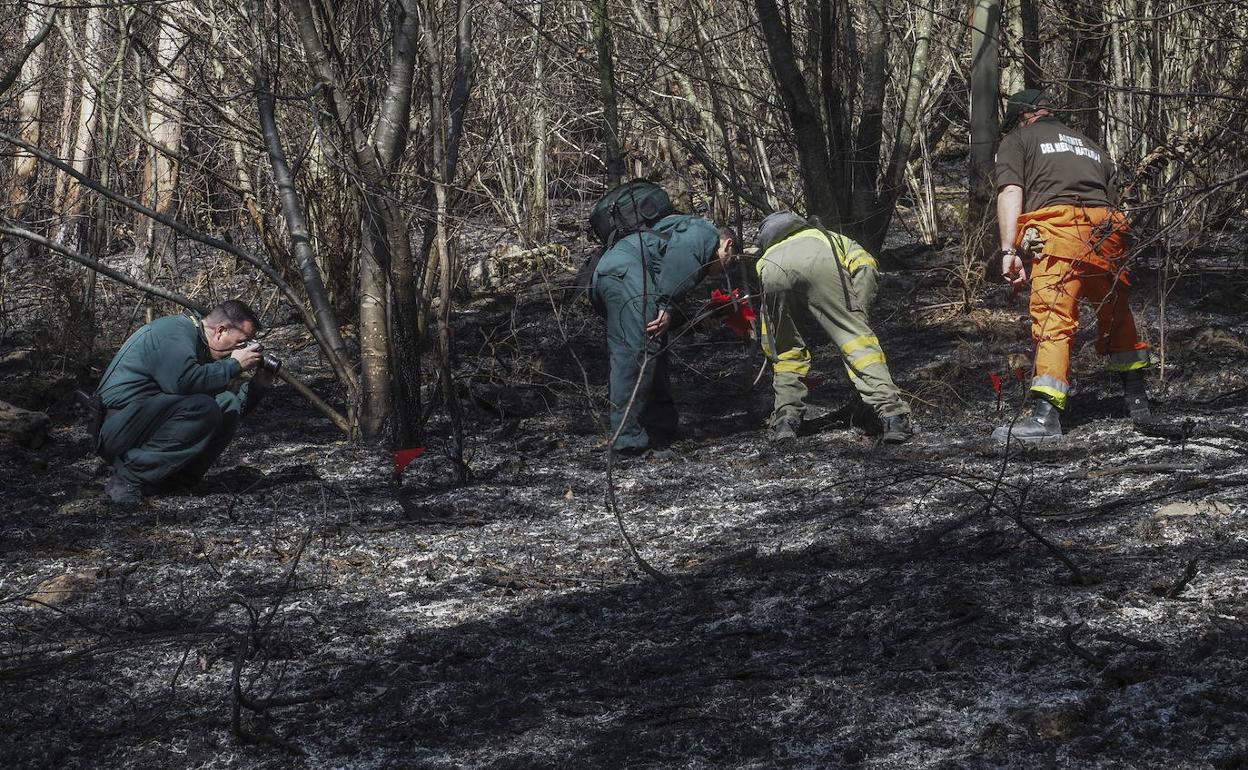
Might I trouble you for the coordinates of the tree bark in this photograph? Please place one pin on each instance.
(381, 227)
(605, 48)
(865, 168)
(89, 106)
(335, 349)
(985, 98)
(1087, 67)
(29, 69)
(812, 148)
(836, 47)
(903, 141)
(164, 126)
(390, 230)
(69, 102)
(535, 230)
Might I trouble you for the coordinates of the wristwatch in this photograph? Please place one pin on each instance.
(1007, 252)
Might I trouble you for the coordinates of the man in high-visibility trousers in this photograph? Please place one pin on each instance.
(807, 271)
(1056, 204)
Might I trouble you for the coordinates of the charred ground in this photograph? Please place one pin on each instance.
(834, 603)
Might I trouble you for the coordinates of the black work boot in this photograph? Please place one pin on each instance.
(897, 429)
(1040, 424)
(785, 429)
(1135, 396)
(122, 492)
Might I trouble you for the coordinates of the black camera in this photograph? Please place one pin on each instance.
(267, 359)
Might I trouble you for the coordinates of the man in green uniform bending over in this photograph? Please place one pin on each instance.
(806, 271)
(169, 412)
(636, 285)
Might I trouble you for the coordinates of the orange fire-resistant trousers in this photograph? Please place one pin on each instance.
(1078, 252)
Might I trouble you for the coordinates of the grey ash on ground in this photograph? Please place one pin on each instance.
(831, 602)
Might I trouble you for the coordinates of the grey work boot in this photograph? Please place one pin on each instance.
(1042, 423)
(122, 492)
(785, 429)
(897, 429)
(1135, 396)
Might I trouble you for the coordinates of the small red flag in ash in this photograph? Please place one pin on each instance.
(995, 379)
(736, 311)
(404, 457)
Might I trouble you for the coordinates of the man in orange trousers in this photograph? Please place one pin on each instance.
(1056, 204)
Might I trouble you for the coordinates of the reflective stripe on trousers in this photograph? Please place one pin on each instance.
(1053, 389)
(1057, 285)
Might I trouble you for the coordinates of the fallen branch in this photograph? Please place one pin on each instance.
(189, 232)
(1052, 548)
(1139, 644)
(1068, 638)
(7, 227)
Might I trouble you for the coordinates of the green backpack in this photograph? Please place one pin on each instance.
(632, 207)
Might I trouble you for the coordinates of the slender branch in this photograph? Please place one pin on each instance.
(10, 77)
(8, 228)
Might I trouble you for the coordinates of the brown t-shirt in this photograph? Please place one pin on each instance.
(1055, 164)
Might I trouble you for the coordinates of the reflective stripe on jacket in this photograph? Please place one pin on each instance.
(852, 256)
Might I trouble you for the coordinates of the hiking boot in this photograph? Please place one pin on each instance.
(785, 429)
(897, 429)
(1135, 397)
(1042, 423)
(122, 492)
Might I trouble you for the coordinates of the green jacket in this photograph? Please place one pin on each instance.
(691, 248)
(169, 355)
(678, 253)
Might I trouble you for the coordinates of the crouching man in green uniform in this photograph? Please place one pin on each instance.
(169, 412)
(636, 285)
(807, 271)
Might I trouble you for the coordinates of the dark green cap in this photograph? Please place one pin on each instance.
(1028, 100)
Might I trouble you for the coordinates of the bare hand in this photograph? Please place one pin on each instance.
(248, 357)
(659, 325)
(1012, 269)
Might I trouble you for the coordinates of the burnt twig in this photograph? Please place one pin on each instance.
(1189, 572)
(1051, 547)
(1068, 638)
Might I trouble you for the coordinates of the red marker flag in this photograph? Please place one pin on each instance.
(404, 457)
(995, 379)
(738, 315)
(1018, 373)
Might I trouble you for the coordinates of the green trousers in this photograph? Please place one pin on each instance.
(801, 278)
(158, 439)
(624, 293)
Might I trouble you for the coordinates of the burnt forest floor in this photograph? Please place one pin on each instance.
(832, 603)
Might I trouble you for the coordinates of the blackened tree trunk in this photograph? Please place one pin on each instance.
(808, 130)
(605, 48)
(985, 101)
(1089, 42)
(894, 177)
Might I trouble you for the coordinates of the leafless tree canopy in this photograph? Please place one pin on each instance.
(342, 150)
(400, 188)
